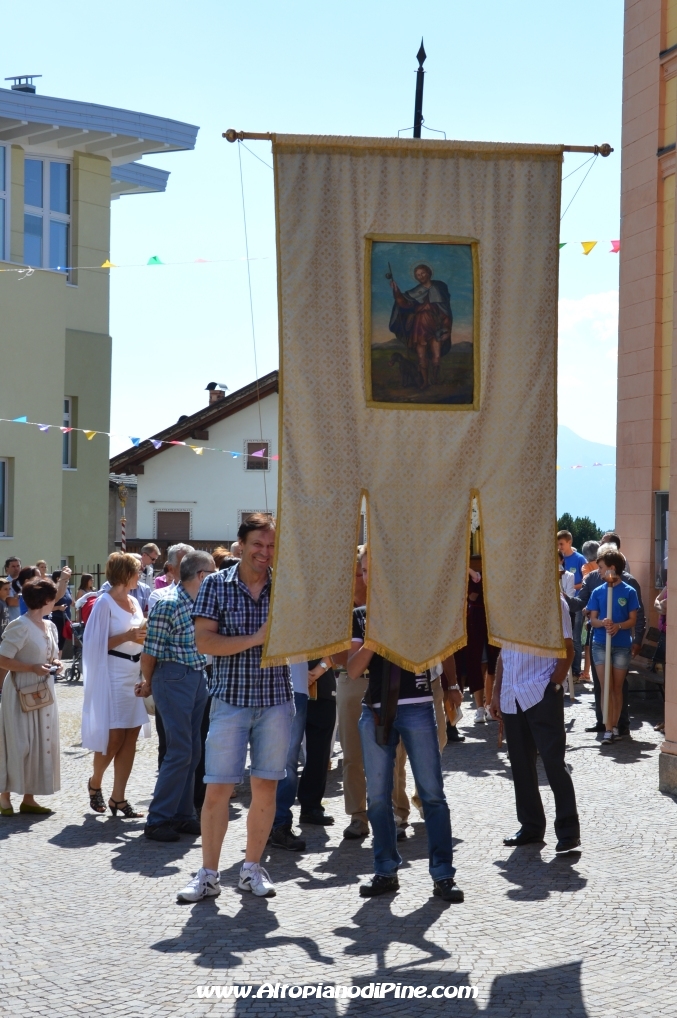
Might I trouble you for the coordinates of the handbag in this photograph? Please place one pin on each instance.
(34, 697)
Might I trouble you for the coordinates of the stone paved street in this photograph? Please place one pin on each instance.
(90, 924)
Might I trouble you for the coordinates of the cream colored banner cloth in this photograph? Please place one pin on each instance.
(419, 469)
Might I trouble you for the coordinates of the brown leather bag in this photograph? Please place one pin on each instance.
(34, 697)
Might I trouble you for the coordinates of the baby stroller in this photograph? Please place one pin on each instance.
(74, 671)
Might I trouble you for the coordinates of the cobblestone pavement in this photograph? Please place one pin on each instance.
(90, 924)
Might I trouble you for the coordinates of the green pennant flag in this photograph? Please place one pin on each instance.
(154, 261)
(564, 244)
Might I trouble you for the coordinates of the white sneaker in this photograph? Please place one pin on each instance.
(257, 880)
(203, 885)
(479, 716)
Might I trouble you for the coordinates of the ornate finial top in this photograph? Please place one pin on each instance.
(421, 55)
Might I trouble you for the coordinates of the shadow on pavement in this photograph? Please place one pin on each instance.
(536, 879)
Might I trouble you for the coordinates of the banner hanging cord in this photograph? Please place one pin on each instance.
(594, 160)
(251, 312)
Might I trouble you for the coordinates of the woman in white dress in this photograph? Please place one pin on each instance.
(29, 740)
(112, 715)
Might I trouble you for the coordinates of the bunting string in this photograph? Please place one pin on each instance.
(199, 450)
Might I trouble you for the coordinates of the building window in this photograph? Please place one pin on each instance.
(47, 214)
(256, 455)
(244, 514)
(172, 525)
(67, 445)
(4, 497)
(4, 202)
(662, 504)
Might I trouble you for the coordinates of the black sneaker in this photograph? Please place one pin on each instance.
(599, 727)
(380, 885)
(447, 890)
(284, 837)
(568, 845)
(316, 816)
(161, 832)
(452, 734)
(191, 826)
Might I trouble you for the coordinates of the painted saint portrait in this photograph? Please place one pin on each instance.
(421, 323)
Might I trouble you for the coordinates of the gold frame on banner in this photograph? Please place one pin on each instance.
(427, 238)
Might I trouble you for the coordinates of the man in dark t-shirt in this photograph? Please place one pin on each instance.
(406, 714)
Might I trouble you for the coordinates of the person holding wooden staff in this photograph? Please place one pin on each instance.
(618, 622)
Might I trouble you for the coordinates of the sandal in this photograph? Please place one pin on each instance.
(96, 798)
(125, 808)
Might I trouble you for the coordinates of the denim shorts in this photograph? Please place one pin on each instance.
(620, 656)
(266, 730)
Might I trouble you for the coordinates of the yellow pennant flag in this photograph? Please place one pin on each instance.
(89, 435)
(197, 450)
(108, 265)
(588, 246)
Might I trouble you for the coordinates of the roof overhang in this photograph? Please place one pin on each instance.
(127, 462)
(61, 126)
(136, 178)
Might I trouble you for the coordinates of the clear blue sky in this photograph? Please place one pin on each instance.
(524, 71)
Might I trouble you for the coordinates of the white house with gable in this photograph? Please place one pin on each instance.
(201, 498)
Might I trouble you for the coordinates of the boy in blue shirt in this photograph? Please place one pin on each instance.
(624, 607)
(573, 563)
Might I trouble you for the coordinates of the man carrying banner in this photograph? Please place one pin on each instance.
(251, 707)
(529, 697)
(399, 705)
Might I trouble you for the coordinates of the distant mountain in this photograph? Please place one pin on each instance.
(591, 490)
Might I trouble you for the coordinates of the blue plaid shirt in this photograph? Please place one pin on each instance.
(171, 634)
(239, 679)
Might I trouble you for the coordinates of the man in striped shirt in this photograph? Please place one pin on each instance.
(529, 697)
(252, 707)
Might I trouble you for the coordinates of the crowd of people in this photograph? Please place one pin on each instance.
(185, 647)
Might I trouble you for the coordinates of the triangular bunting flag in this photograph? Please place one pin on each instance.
(197, 450)
(615, 247)
(89, 435)
(65, 430)
(134, 441)
(261, 452)
(154, 260)
(108, 265)
(588, 245)
(176, 443)
(563, 244)
(201, 261)
(156, 443)
(44, 427)
(19, 420)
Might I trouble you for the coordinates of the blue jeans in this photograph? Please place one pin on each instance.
(288, 787)
(415, 725)
(180, 693)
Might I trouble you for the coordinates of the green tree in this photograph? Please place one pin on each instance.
(582, 529)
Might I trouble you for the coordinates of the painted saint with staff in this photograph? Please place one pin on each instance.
(422, 319)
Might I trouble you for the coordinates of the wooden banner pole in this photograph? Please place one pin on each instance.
(232, 135)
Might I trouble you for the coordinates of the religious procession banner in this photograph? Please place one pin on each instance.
(418, 345)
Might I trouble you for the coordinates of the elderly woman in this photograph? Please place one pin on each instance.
(29, 739)
(112, 715)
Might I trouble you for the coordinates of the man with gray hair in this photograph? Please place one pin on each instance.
(174, 556)
(174, 672)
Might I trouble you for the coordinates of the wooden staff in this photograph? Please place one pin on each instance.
(607, 658)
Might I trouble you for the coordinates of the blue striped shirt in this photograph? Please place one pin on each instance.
(239, 679)
(526, 676)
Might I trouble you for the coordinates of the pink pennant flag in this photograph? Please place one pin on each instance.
(577, 466)
(615, 247)
(261, 452)
(65, 430)
(201, 261)
(176, 443)
(274, 457)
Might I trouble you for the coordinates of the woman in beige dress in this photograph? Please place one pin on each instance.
(29, 740)
(112, 715)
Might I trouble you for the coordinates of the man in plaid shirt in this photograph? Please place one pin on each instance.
(252, 707)
(174, 671)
